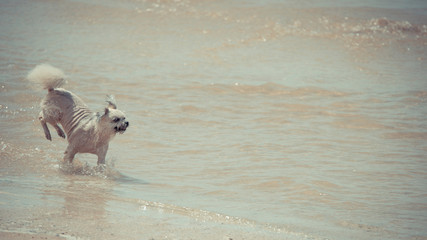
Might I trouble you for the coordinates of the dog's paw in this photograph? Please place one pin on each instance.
(61, 133)
(48, 137)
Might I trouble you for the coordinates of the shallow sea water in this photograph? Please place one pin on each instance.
(248, 119)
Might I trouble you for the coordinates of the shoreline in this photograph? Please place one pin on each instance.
(80, 212)
(21, 235)
(41, 223)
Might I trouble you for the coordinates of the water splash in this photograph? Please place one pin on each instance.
(105, 171)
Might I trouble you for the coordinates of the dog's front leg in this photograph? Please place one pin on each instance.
(101, 153)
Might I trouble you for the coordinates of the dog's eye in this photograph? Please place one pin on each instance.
(116, 119)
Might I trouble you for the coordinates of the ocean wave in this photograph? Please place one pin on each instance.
(386, 26)
(269, 89)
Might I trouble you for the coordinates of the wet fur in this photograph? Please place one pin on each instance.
(86, 131)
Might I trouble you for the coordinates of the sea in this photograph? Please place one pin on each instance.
(273, 119)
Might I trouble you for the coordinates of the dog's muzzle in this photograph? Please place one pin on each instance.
(122, 127)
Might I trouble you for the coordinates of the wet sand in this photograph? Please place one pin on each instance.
(34, 206)
(86, 219)
(19, 236)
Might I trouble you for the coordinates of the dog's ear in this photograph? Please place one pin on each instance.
(111, 102)
(107, 110)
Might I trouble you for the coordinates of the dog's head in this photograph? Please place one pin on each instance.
(113, 119)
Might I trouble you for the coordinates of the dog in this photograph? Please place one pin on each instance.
(86, 131)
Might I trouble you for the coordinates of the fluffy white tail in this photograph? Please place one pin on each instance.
(47, 76)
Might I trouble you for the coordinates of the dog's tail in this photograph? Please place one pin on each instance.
(47, 76)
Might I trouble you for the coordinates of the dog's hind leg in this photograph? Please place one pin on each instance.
(45, 128)
(59, 131)
(69, 154)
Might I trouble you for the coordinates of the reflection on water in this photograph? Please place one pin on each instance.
(88, 207)
(251, 120)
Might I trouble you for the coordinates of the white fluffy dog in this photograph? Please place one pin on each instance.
(86, 131)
